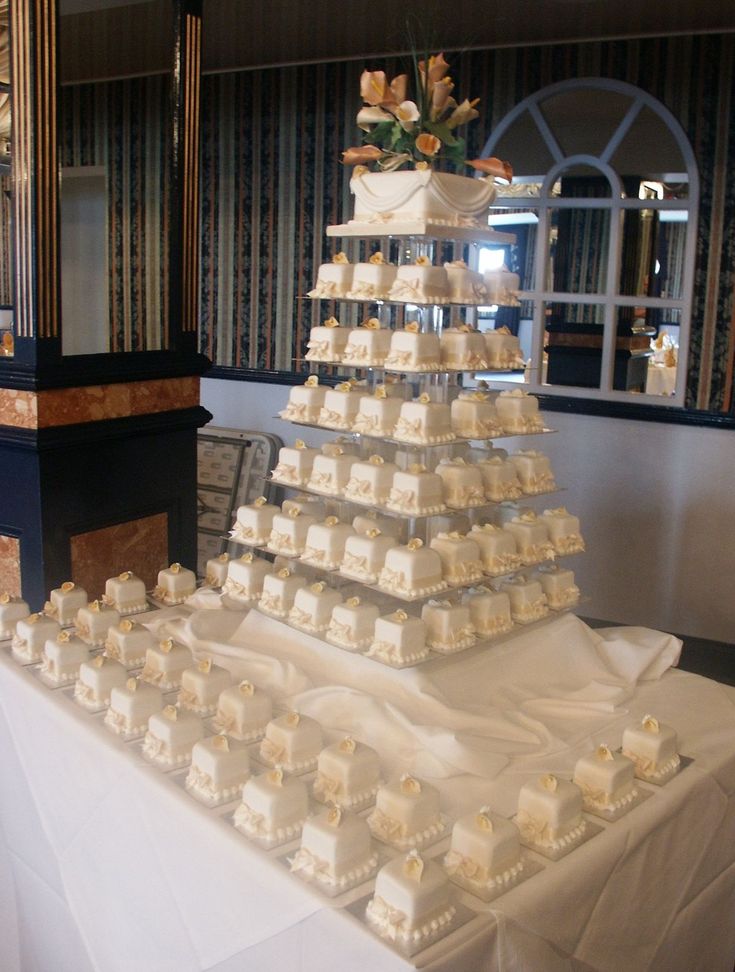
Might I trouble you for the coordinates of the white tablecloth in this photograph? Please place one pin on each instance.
(107, 864)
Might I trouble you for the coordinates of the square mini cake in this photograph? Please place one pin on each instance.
(292, 741)
(30, 636)
(219, 769)
(94, 621)
(65, 601)
(171, 736)
(97, 678)
(126, 593)
(175, 584)
(128, 642)
(407, 813)
(131, 706)
(12, 610)
(243, 712)
(165, 664)
(62, 658)
(348, 774)
(201, 686)
(399, 640)
(274, 808)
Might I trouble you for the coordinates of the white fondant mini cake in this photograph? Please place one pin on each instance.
(532, 538)
(326, 343)
(65, 601)
(498, 550)
(245, 577)
(377, 414)
(415, 194)
(563, 530)
(411, 351)
(348, 774)
(460, 557)
(333, 279)
(606, 779)
(499, 479)
(371, 481)
(485, 853)
(175, 584)
(126, 593)
(527, 599)
(215, 571)
(462, 484)
(274, 808)
(171, 736)
(502, 286)
(304, 402)
(489, 611)
(243, 712)
(406, 813)
(219, 768)
(653, 747)
(94, 621)
(292, 741)
(165, 664)
(131, 706)
(424, 422)
(502, 349)
(466, 287)
(416, 492)
(352, 624)
(294, 464)
(399, 640)
(473, 416)
(462, 349)
(325, 543)
(518, 412)
(288, 536)
(306, 505)
(558, 586)
(12, 610)
(30, 636)
(448, 626)
(364, 555)
(412, 906)
(254, 522)
(313, 606)
(62, 658)
(331, 473)
(368, 345)
(201, 686)
(128, 642)
(340, 407)
(372, 280)
(279, 591)
(412, 571)
(534, 471)
(96, 680)
(336, 851)
(420, 283)
(549, 813)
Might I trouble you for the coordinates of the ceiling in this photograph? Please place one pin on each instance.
(115, 38)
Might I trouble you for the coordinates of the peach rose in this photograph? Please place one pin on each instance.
(428, 144)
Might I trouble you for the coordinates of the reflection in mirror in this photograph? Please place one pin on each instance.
(115, 179)
(579, 241)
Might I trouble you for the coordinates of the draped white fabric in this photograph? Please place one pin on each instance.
(107, 864)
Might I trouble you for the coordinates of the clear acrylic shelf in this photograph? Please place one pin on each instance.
(409, 228)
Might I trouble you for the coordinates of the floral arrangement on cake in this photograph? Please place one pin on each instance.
(400, 132)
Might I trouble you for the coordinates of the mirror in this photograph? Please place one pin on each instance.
(608, 176)
(115, 174)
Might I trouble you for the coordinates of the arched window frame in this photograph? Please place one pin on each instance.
(610, 299)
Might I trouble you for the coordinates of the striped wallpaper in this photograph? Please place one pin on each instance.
(272, 182)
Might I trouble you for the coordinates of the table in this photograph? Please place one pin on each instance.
(106, 864)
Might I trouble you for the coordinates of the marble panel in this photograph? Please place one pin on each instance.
(94, 403)
(9, 564)
(139, 545)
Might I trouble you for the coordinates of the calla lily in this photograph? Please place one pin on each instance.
(438, 67)
(368, 116)
(374, 88)
(361, 153)
(393, 160)
(463, 113)
(398, 87)
(428, 144)
(502, 172)
(407, 114)
(440, 97)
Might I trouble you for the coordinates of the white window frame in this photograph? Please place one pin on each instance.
(610, 299)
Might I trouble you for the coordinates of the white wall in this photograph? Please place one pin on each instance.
(657, 504)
